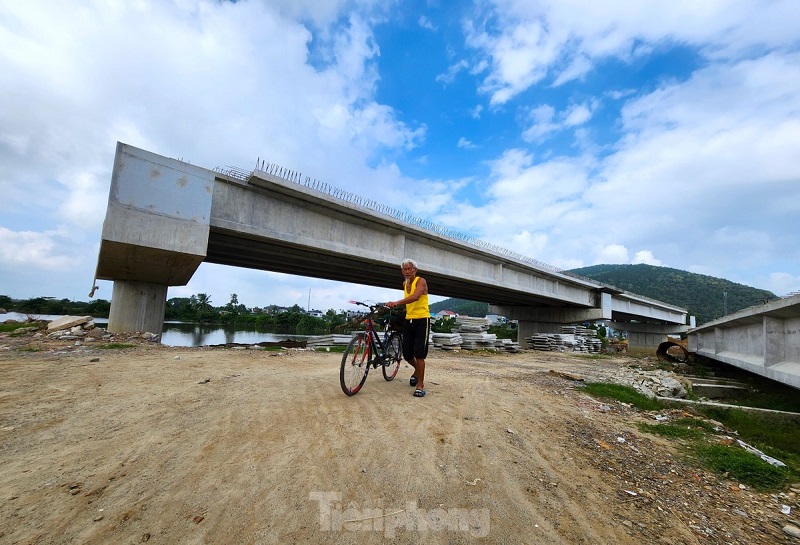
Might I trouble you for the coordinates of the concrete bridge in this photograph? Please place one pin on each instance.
(165, 217)
(764, 339)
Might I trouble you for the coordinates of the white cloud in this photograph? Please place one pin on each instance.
(544, 121)
(529, 41)
(426, 23)
(577, 114)
(646, 257)
(21, 250)
(611, 254)
(541, 123)
(449, 76)
(465, 144)
(782, 283)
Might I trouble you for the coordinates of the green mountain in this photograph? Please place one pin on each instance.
(462, 307)
(703, 296)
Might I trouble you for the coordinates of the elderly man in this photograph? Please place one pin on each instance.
(417, 325)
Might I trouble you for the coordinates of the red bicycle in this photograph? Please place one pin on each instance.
(367, 349)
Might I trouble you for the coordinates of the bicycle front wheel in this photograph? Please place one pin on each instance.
(355, 365)
(394, 354)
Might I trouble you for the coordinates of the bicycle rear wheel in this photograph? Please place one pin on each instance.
(355, 365)
(394, 354)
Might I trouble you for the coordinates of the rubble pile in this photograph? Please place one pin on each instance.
(571, 339)
(82, 329)
(651, 382)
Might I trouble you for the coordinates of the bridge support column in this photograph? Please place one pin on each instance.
(138, 306)
(646, 337)
(155, 234)
(526, 328)
(545, 320)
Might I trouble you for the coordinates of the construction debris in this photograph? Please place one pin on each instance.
(573, 338)
(472, 334)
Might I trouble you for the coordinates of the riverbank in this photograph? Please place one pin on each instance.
(178, 445)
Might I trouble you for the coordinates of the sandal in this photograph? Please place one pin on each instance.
(419, 393)
(412, 381)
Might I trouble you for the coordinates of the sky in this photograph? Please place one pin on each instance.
(573, 132)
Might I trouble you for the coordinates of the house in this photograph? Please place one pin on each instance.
(445, 314)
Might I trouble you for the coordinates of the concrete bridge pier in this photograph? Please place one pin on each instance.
(137, 306)
(532, 320)
(646, 337)
(155, 235)
(642, 336)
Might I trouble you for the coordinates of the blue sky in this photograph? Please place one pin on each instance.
(574, 132)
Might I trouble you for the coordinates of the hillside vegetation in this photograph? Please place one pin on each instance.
(702, 295)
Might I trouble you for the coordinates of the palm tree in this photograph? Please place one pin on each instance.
(203, 301)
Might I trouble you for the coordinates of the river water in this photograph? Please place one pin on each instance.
(186, 334)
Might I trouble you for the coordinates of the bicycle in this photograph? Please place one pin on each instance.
(366, 349)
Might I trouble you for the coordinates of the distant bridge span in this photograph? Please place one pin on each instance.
(763, 339)
(165, 217)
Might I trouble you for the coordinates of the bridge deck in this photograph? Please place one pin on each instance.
(764, 340)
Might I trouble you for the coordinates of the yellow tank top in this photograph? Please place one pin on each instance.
(419, 308)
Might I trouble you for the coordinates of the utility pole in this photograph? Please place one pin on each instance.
(724, 303)
(308, 308)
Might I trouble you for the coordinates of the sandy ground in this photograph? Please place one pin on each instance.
(174, 445)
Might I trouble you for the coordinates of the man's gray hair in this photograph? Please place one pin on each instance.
(409, 262)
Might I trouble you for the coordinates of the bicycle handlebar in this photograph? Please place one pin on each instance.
(372, 308)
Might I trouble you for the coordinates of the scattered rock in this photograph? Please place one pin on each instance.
(67, 322)
(791, 530)
(567, 376)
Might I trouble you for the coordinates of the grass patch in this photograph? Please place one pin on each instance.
(683, 428)
(12, 327)
(776, 436)
(744, 467)
(114, 346)
(778, 431)
(339, 349)
(625, 394)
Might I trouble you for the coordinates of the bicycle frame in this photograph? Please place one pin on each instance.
(376, 347)
(367, 349)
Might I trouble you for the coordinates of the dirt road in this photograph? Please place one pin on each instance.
(174, 445)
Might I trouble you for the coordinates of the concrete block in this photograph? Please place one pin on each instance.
(67, 322)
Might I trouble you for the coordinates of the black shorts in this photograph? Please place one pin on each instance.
(415, 338)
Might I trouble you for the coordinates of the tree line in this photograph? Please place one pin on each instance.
(98, 308)
(200, 309)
